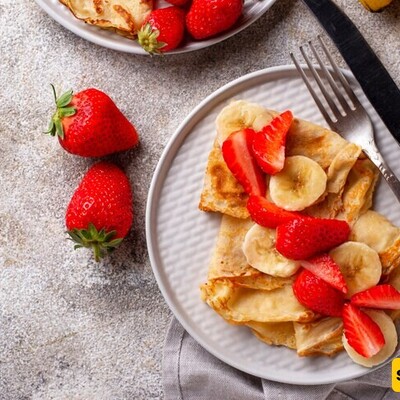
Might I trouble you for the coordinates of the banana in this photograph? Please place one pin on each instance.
(389, 332)
(241, 114)
(375, 5)
(260, 252)
(300, 183)
(359, 264)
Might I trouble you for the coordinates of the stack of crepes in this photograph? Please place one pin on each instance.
(266, 304)
(125, 17)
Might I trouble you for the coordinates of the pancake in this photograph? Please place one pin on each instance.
(228, 260)
(274, 333)
(351, 177)
(239, 304)
(320, 337)
(124, 16)
(266, 304)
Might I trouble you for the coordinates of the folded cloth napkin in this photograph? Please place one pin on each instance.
(191, 373)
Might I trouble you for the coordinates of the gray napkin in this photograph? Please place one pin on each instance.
(191, 373)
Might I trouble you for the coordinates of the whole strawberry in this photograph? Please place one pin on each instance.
(162, 30)
(100, 212)
(208, 18)
(89, 124)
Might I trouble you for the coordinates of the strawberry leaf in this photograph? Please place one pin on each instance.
(55, 126)
(101, 242)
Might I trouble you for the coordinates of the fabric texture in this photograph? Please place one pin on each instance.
(191, 373)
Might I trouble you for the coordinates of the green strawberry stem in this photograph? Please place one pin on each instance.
(101, 242)
(147, 38)
(62, 111)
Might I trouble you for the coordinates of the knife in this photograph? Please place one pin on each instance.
(370, 73)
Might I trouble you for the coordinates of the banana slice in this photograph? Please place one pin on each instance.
(239, 115)
(261, 254)
(389, 332)
(299, 185)
(359, 264)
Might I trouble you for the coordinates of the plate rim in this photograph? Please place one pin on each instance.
(158, 179)
(94, 37)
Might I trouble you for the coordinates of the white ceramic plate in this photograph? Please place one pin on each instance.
(181, 238)
(253, 9)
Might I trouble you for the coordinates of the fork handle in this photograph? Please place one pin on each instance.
(375, 156)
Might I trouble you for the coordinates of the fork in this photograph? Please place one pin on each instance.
(345, 116)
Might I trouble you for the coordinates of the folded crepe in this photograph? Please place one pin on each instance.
(124, 16)
(266, 304)
(350, 184)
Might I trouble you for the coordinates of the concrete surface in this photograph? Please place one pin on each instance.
(71, 329)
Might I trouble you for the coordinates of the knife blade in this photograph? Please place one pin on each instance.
(374, 79)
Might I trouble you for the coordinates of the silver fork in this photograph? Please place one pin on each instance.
(350, 120)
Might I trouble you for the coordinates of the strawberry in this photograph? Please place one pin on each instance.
(162, 30)
(89, 124)
(267, 214)
(238, 158)
(380, 296)
(179, 3)
(100, 213)
(325, 268)
(362, 333)
(317, 295)
(303, 238)
(269, 144)
(207, 18)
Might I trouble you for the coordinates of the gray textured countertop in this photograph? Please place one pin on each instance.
(71, 329)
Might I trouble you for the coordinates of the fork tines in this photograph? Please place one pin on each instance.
(338, 94)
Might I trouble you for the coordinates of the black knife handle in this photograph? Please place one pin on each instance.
(370, 73)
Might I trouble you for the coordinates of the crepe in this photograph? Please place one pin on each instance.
(274, 333)
(266, 304)
(228, 260)
(124, 16)
(221, 191)
(320, 337)
(350, 184)
(239, 304)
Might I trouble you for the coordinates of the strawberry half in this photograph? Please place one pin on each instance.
(269, 144)
(317, 295)
(362, 333)
(268, 214)
(325, 268)
(240, 161)
(301, 239)
(381, 296)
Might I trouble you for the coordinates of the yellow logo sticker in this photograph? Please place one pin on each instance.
(396, 374)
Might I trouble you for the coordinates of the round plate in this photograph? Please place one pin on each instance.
(253, 9)
(181, 238)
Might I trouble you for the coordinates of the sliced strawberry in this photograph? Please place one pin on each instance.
(362, 333)
(269, 215)
(269, 144)
(240, 161)
(325, 268)
(301, 239)
(314, 293)
(381, 296)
